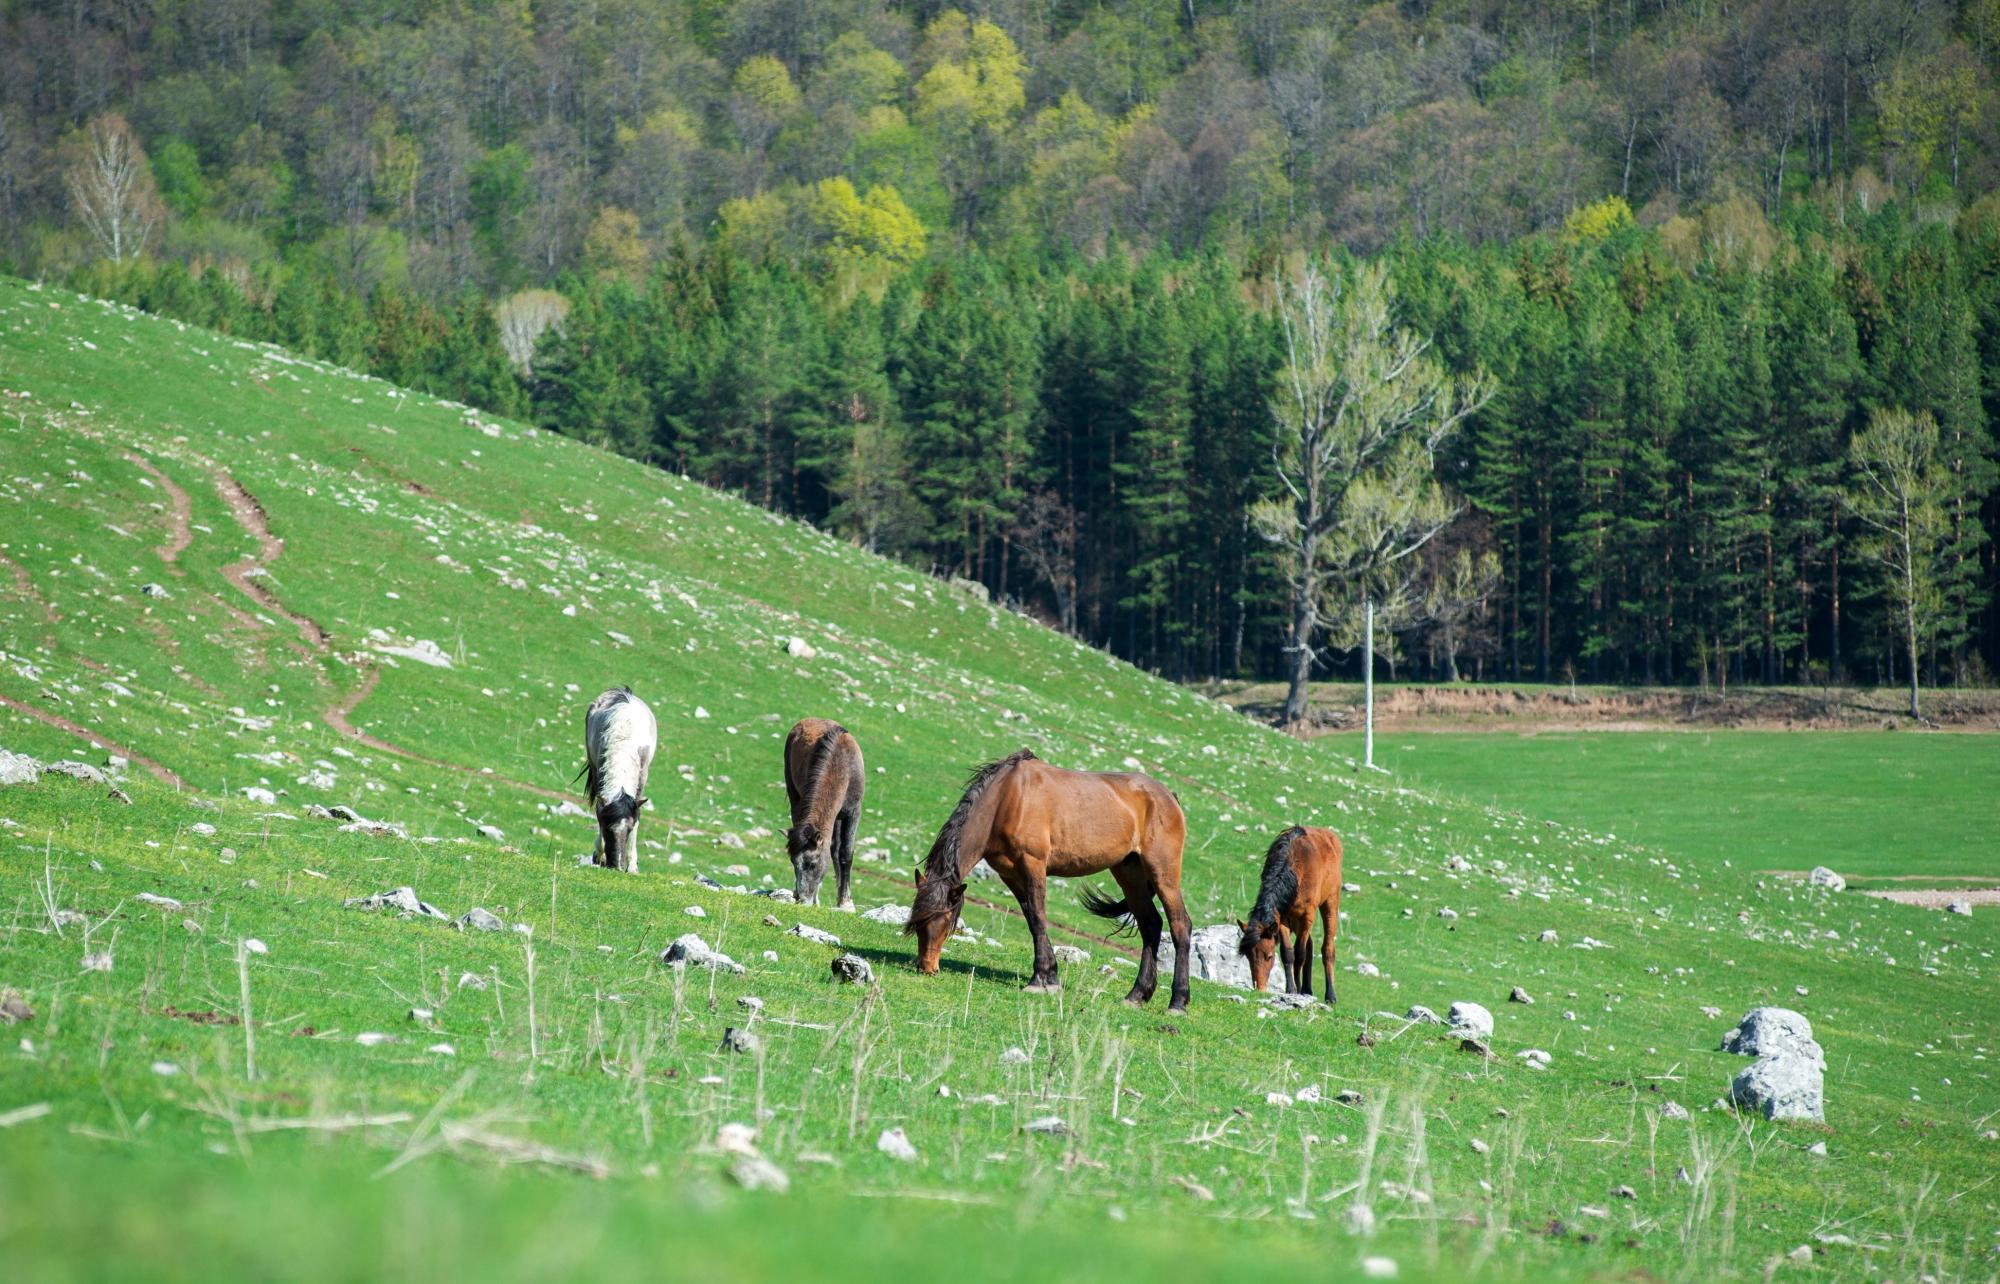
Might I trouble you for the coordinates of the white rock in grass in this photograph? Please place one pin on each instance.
(754, 1172)
(1366, 969)
(202, 829)
(893, 915)
(1960, 906)
(1769, 1031)
(478, 918)
(1470, 1020)
(165, 1069)
(1379, 1268)
(689, 948)
(1422, 1015)
(1788, 1086)
(1213, 955)
(1673, 1110)
(18, 769)
(895, 1143)
(259, 794)
(251, 945)
(695, 911)
(1534, 1058)
(1548, 936)
(164, 902)
(97, 961)
(1014, 1057)
(1824, 877)
(1071, 954)
(371, 1038)
(1308, 1095)
(852, 969)
(807, 932)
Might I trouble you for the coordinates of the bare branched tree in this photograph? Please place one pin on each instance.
(1900, 495)
(111, 189)
(1045, 534)
(1362, 406)
(523, 317)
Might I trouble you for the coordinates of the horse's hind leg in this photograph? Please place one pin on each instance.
(1182, 927)
(1329, 921)
(843, 856)
(1138, 889)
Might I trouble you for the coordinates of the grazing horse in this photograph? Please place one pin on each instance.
(619, 737)
(1301, 877)
(1031, 822)
(824, 778)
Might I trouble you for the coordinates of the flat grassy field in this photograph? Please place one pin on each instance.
(237, 572)
(1882, 805)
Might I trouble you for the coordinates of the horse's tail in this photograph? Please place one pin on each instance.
(941, 867)
(1103, 906)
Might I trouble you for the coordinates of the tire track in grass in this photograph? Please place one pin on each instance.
(24, 586)
(336, 716)
(163, 773)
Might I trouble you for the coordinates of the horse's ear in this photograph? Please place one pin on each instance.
(642, 804)
(958, 895)
(1242, 926)
(917, 874)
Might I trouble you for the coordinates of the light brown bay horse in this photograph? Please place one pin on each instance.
(1301, 878)
(1032, 822)
(824, 778)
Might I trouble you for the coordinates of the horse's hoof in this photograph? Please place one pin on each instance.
(1038, 987)
(1177, 1009)
(846, 906)
(1134, 1001)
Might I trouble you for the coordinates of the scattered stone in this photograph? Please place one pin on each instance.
(1423, 1015)
(1959, 906)
(736, 1039)
(251, 945)
(1534, 1058)
(165, 1069)
(403, 900)
(1470, 1020)
(18, 769)
(481, 920)
(1290, 1002)
(13, 1008)
(1447, 913)
(895, 1143)
(807, 932)
(750, 1003)
(260, 795)
(1770, 1032)
(1519, 995)
(1674, 1110)
(1800, 1256)
(164, 902)
(1359, 1219)
(1308, 1095)
(492, 833)
(1071, 954)
(1480, 1148)
(1824, 877)
(852, 969)
(754, 1172)
(1817, 1148)
(1624, 1192)
(1458, 864)
(800, 649)
(371, 1038)
(1377, 1268)
(689, 948)
(152, 590)
(1278, 1099)
(1548, 937)
(1366, 969)
(1711, 1012)
(472, 980)
(1213, 955)
(98, 961)
(1047, 1126)
(695, 911)
(1014, 1057)
(893, 915)
(1787, 1086)
(422, 1016)
(1348, 1097)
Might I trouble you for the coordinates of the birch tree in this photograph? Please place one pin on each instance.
(111, 189)
(1899, 494)
(1362, 406)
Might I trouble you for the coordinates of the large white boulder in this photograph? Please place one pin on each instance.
(1824, 877)
(1212, 955)
(1773, 1032)
(1786, 1086)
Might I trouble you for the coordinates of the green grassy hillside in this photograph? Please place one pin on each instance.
(187, 1105)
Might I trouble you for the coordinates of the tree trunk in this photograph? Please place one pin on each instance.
(1305, 616)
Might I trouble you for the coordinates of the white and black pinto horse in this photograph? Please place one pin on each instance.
(619, 737)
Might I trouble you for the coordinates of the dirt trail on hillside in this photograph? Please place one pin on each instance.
(76, 729)
(1937, 897)
(24, 586)
(251, 517)
(180, 517)
(336, 717)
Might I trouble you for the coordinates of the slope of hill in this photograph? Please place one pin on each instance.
(266, 585)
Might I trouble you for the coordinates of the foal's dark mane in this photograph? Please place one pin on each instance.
(941, 873)
(822, 760)
(1280, 882)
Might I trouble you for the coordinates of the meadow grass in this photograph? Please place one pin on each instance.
(1884, 805)
(187, 1105)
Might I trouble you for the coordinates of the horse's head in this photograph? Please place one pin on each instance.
(809, 849)
(1260, 946)
(618, 823)
(933, 917)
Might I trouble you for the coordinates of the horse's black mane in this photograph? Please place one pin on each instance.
(823, 755)
(1280, 882)
(941, 875)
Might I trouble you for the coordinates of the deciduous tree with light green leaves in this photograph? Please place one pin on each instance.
(1361, 407)
(1898, 493)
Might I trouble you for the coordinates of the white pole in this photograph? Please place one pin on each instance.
(1368, 681)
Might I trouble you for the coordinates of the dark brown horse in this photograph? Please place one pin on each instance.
(1301, 878)
(824, 778)
(1032, 822)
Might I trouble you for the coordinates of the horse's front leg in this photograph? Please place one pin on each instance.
(1285, 953)
(1302, 952)
(1031, 894)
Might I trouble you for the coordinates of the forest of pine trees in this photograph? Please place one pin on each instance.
(994, 290)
